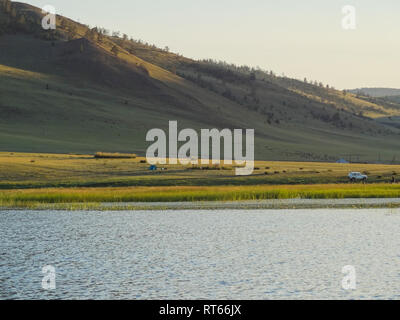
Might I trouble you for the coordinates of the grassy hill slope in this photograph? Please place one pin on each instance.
(81, 90)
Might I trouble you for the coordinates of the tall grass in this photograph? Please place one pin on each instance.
(187, 194)
(107, 155)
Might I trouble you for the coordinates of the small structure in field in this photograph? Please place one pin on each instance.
(153, 167)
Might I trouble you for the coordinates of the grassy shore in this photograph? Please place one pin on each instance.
(34, 197)
(84, 181)
(28, 170)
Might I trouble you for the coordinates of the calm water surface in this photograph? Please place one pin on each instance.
(225, 254)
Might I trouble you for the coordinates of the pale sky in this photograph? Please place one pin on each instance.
(298, 38)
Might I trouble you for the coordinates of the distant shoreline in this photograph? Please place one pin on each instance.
(275, 204)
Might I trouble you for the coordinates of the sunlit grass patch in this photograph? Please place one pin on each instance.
(30, 170)
(71, 196)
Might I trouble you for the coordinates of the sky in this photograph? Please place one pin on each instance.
(301, 39)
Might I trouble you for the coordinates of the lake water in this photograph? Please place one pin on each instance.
(224, 254)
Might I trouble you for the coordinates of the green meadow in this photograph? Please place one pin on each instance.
(30, 180)
(40, 170)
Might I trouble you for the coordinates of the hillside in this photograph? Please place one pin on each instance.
(377, 92)
(82, 90)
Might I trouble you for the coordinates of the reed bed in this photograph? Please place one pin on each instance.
(106, 155)
(192, 194)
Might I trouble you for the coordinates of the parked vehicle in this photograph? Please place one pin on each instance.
(357, 176)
